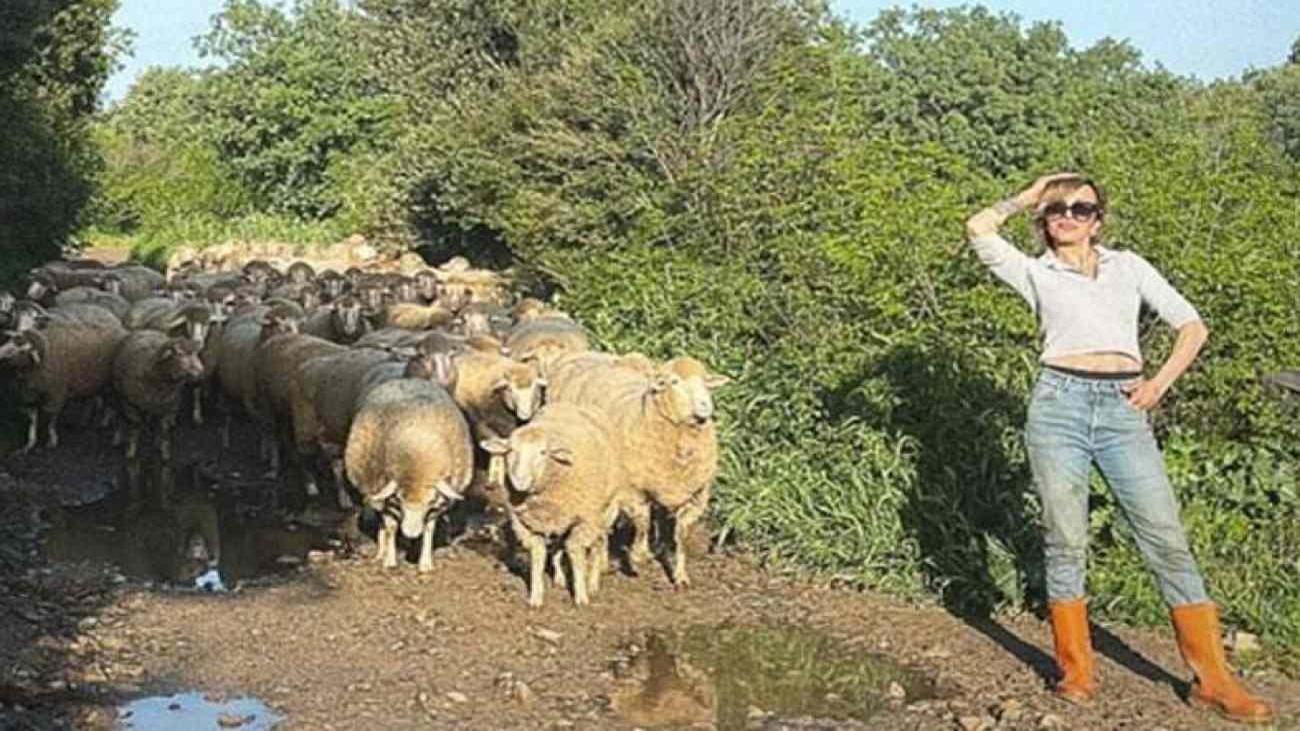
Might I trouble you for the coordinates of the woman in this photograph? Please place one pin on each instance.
(1090, 405)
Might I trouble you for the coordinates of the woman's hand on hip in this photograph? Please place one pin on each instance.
(1144, 394)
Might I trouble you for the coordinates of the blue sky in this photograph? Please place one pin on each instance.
(1205, 38)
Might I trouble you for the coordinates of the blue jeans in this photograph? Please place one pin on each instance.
(1075, 422)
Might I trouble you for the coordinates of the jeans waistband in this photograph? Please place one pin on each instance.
(1064, 379)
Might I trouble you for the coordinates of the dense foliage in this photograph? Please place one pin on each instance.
(757, 183)
(55, 56)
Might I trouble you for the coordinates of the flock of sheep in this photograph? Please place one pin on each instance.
(411, 392)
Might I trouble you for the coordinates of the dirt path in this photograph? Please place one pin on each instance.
(329, 642)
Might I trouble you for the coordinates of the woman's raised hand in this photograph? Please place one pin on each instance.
(1030, 196)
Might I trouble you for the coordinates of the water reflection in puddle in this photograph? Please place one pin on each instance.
(196, 711)
(196, 538)
(733, 676)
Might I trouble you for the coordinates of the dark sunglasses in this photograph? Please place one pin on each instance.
(1079, 211)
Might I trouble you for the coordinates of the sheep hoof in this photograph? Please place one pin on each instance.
(682, 584)
(426, 567)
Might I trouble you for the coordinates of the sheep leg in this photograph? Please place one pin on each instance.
(197, 414)
(576, 547)
(165, 428)
(34, 420)
(598, 562)
(341, 483)
(638, 511)
(426, 547)
(132, 440)
(557, 570)
(225, 430)
(388, 542)
(52, 431)
(536, 546)
(686, 516)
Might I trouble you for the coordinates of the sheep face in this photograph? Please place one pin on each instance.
(372, 298)
(527, 456)
(309, 297)
(521, 390)
(453, 296)
(300, 273)
(259, 271)
(415, 507)
(432, 366)
(332, 284)
(22, 352)
(112, 284)
(475, 322)
(41, 284)
(29, 316)
(405, 290)
(179, 361)
(192, 322)
(683, 390)
(347, 317)
(426, 284)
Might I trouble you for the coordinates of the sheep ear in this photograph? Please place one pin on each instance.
(658, 383)
(33, 352)
(495, 445)
(541, 381)
(501, 385)
(446, 491)
(444, 370)
(714, 380)
(562, 455)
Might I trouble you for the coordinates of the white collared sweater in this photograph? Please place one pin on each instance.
(1077, 314)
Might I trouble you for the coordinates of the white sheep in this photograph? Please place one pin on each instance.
(670, 441)
(563, 478)
(409, 454)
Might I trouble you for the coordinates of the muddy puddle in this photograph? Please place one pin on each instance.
(737, 677)
(196, 712)
(195, 537)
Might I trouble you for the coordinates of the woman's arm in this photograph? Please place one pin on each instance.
(1146, 393)
(990, 219)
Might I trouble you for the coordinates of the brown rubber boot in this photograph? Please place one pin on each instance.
(1197, 627)
(1073, 651)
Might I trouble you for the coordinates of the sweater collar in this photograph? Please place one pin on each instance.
(1049, 258)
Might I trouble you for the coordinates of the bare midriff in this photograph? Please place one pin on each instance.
(1103, 362)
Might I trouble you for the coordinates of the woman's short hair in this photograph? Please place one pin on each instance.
(1060, 190)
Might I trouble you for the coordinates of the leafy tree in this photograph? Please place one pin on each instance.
(294, 95)
(54, 60)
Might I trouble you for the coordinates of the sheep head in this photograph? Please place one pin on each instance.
(40, 285)
(28, 315)
(111, 283)
(432, 366)
(682, 389)
(193, 321)
(346, 312)
(426, 284)
(527, 455)
(300, 272)
(520, 388)
(179, 360)
(23, 351)
(415, 507)
(332, 284)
